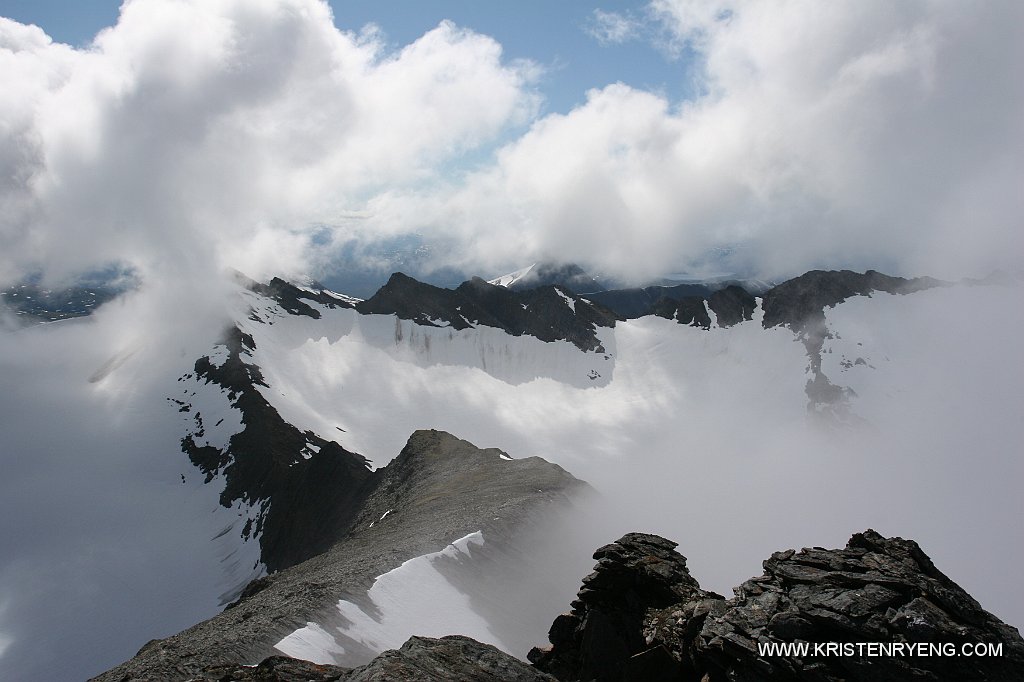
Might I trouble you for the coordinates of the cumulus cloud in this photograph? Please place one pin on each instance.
(850, 134)
(195, 135)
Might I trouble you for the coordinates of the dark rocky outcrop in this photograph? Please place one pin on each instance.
(547, 313)
(639, 301)
(273, 669)
(732, 305)
(689, 310)
(640, 615)
(308, 489)
(604, 637)
(800, 302)
(420, 659)
(293, 299)
(439, 489)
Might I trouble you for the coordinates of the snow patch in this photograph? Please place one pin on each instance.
(343, 297)
(413, 599)
(569, 301)
(512, 277)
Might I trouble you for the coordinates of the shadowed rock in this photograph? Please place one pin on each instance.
(547, 313)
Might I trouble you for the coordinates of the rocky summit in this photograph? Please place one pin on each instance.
(641, 616)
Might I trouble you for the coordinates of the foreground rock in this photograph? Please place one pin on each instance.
(641, 616)
(421, 659)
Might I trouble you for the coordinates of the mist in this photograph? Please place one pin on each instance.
(105, 544)
(705, 436)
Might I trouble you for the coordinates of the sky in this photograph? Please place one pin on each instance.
(182, 137)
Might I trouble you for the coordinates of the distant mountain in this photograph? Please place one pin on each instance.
(32, 303)
(546, 312)
(568, 276)
(636, 302)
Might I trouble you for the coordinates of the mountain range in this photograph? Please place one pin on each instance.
(337, 440)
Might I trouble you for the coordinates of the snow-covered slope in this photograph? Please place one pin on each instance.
(414, 599)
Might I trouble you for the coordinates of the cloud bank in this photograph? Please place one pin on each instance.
(197, 135)
(847, 135)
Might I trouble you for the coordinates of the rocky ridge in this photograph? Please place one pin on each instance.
(409, 512)
(549, 313)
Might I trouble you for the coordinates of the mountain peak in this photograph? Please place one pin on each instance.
(569, 275)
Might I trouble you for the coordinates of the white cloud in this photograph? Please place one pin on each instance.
(612, 28)
(194, 135)
(847, 134)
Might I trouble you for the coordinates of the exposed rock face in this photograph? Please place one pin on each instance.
(547, 313)
(440, 488)
(309, 489)
(273, 669)
(293, 299)
(689, 310)
(641, 616)
(800, 302)
(422, 659)
(732, 305)
(604, 637)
